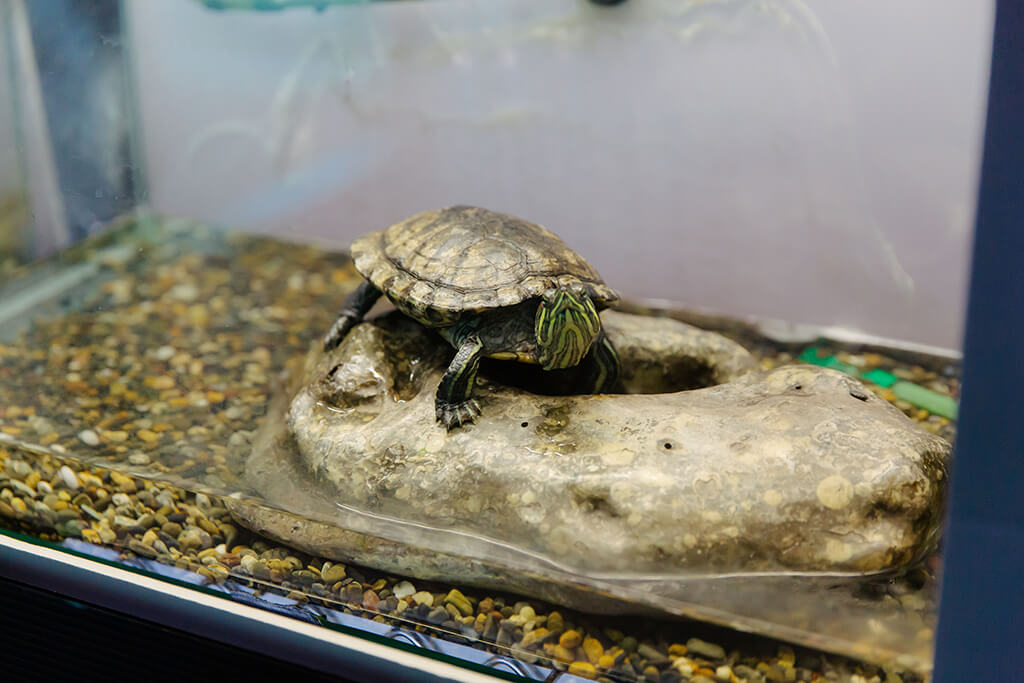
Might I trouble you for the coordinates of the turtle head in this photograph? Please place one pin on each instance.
(566, 325)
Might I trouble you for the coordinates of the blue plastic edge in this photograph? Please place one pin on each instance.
(981, 618)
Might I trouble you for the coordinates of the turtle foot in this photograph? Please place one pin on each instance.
(338, 330)
(453, 415)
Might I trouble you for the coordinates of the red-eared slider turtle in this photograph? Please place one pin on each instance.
(492, 285)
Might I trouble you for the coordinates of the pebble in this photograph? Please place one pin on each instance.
(138, 459)
(582, 669)
(238, 440)
(695, 646)
(124, 522)
(208, 526)
(744, 671)
(437, 615)
(23, 489)
(147, 435)
(140, 548)
(462, 604)
(190, 539)
(70, 479)
(371, 600)
(652, 655)
(123, 482)
(570, 639)
(71, 527)
(106, 534)
(353, 592)
(402, 589)
(593, 649)
(229, 532)
(162, 382)
(171, 529)
(555, 622)
(423, 598)
(685, 667)
(535, 636)
(89, 437)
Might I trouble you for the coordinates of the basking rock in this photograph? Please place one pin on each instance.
(789, 471)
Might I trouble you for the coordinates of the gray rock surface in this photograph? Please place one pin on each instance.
(793, 470)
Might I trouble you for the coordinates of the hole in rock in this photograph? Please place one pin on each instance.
(637, 377)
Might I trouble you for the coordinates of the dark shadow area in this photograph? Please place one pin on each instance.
(47, 637)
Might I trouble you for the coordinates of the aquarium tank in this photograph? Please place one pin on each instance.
(529, 339)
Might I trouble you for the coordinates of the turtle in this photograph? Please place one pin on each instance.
(492, 285)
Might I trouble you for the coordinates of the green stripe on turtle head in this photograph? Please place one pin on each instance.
(566, 325)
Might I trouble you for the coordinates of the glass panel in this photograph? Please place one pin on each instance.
(15, 218)
(165, 399)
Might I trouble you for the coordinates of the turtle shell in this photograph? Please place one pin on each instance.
(441, 263)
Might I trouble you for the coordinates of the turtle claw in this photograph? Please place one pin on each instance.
(454, 415)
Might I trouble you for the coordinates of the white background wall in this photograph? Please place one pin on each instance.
(811, 161)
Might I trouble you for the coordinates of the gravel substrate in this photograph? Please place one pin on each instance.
(156, 388)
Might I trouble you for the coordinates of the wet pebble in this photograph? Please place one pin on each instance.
(651, 654)
(695, 646)
(106, 534)
(89, 437)
(570, 639)
(403, 589)
(593, 649)
(71, 528)
(353, 592)
(582, 669)
(23, 489)
(190, 539)
(371, 600)
(333, 574)
(460, 602)
(69, 478)
(138, 459)
(423, 598)
(140, 548)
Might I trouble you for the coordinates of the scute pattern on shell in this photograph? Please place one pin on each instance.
(465, 258)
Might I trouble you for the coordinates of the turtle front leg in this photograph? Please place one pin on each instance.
(454, 404)
(600, 367)
(356, 306)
